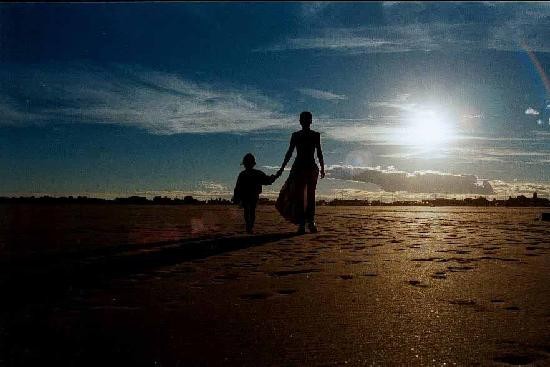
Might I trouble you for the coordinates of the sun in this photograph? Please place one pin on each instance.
(427, 128)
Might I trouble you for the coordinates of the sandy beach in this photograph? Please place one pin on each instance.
(183, 286)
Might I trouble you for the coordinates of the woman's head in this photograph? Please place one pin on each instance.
(306, 119)
(249, 161)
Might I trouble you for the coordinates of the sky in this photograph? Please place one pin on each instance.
(411, 99)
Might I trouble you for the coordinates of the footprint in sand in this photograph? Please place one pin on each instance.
(439, 275)
(417, 283)
(184, 270)
(498, 258)
(256, 295)
(520, 359)
(283, 273)
(286, 291)
(222, 278)
(462, 252)
(354, 262)
(459, 268)
(543, 348)
(426, 259)
(369, 275)
(308, 258)
(463, 302)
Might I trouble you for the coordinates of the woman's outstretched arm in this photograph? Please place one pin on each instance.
(288, 155)
(320, 156)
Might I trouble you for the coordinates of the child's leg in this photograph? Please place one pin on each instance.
(252, 214)
(246, 207)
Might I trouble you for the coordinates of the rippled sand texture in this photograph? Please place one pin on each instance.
(376, 286)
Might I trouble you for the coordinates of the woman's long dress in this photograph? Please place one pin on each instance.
(287, 203)
(293, 199)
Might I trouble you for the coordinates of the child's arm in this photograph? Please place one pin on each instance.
(268, 180)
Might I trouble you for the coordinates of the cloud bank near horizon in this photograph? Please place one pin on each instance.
(392, 180)
(328, 189)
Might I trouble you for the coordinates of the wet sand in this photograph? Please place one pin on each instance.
(379, 286)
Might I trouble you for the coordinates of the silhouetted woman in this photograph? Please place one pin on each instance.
(296, 201)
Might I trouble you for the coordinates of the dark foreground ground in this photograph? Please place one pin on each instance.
(181, 286)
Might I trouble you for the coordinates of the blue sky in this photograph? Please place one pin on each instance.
(166, 98)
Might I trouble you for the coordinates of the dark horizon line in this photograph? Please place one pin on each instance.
(520, 200)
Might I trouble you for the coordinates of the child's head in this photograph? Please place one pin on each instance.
(249, 161)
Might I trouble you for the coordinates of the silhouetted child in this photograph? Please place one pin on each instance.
(248, 189)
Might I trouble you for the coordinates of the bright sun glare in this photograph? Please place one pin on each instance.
(427, 128)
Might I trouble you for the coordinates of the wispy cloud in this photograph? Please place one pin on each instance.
(434, 26)
(501, 154)
(321, 94)
(359, 130)
(313, 9)
(353, 40)
(531, 111)
(397, 105)
(162, 103)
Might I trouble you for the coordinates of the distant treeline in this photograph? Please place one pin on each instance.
(518, 201)
(187, 200)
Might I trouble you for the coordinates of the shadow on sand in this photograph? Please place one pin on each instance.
(24, 281)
